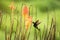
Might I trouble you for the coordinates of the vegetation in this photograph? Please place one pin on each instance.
(12, 22)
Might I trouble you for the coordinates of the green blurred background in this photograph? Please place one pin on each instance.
(44, 8)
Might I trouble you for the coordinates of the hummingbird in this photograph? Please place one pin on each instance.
(36, 23)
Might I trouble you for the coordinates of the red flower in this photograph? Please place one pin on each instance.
(25, 11)
(27, 18)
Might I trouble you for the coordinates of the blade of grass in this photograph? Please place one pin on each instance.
(1, 16)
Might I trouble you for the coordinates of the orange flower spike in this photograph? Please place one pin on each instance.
(30, 19)
(28, 22)
(12, 6)
(25, 11)
(26, 25)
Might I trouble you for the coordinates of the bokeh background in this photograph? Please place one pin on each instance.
(43, 10)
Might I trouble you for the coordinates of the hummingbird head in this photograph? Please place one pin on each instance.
(33, 22)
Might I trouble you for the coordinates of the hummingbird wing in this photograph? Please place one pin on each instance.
(36, 21)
